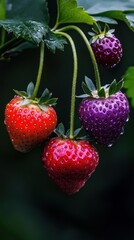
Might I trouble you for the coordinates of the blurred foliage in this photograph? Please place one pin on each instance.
(129, 83)
(31, 206)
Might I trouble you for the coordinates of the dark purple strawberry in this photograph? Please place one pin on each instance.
(104, 117)
(107, 48)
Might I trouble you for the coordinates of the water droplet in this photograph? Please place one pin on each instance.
(110, 145)
(5, 122)
(127, 119)
(122, 132)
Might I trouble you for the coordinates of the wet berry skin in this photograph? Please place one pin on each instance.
(28, 125)
(69, 163)
(108, 51)
(104, 118)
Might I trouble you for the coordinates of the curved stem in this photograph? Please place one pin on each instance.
(42, 48)
(96, 70)
(57, 19)
(10, 42)
(75, 71)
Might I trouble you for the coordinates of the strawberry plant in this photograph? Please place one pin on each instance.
(70, 158)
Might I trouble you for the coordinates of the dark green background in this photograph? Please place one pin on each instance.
(31, 206)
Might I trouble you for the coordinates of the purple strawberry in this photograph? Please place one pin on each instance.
(107, 48)
(104, 117)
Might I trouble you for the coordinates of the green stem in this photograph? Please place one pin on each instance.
(96, 70)
(42, 48)
(9, 43)
(57, 19)
(75, 71)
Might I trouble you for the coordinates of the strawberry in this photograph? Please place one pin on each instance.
(69, 162)
(29, 122)
(107, 48)
(104, 116)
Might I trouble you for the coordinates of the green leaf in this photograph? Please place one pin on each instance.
(97, 6)
(28, 10)
(55, 41)
(2, 9)
(129, 83)
(30, 89)
(130, 20)
(90, 84)
(116, 9)
(105, 19)
(112, 88)
(102, 93)
(69, 12)
(29, 30)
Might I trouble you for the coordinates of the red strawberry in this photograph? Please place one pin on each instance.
(29, 123)
(107, 48)
(69, 163)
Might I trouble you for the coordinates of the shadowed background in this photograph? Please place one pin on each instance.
(31, 206)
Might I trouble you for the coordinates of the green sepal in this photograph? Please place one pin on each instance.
(51, 101)
(25, 102)
(60, 130)
(90, 84)
(115, 87)
(42, 102)
(106, 28)
(46, 99)
(45, 96)
(86, 89)
(99, 33)
(45, 93)
(102, 93)
(43, 107)
(83, 96)
(91, 34)
(79, 134)
(68, 133)
(30, 89)
(20, 93)
(120, 85)
(112, 88)
(96, 28)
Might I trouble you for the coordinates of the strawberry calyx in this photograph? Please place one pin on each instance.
(79, 133)
(42, 102)
(105, 91)
(98, 33)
